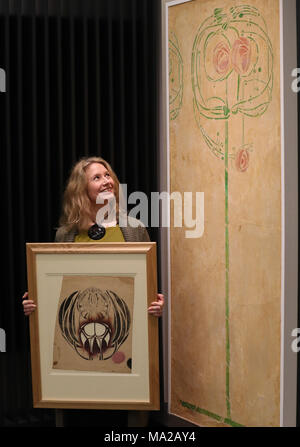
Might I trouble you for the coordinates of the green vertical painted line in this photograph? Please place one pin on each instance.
(227, 277)
(238, 87)
(243, 131)
(243, 119)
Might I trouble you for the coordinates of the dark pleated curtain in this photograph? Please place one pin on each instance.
(81, 79)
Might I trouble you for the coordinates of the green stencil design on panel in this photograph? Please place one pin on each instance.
(209, 414)
(231, 73)
(175, 77)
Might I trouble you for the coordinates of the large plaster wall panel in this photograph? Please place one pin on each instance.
(225, 141)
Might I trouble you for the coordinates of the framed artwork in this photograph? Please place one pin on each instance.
(93, 343)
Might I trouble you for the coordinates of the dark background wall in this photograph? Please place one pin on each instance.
(81, 79)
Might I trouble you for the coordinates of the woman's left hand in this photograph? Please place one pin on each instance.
(156, 307)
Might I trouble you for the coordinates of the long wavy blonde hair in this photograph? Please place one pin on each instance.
(76, 206)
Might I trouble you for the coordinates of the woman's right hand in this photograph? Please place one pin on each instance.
(28, 305)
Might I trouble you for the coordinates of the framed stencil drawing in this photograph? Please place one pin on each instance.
(93, 344)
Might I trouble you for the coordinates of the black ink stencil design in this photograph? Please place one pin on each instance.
(95, 322)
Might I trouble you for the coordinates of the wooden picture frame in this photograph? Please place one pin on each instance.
(48, 264)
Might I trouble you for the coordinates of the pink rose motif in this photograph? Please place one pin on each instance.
(242, 160)
(221, 58)
(241, 55)
(118, 357)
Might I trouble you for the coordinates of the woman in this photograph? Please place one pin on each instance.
(92, 186)
(92, 180)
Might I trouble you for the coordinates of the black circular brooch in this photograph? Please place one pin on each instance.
(96, 232)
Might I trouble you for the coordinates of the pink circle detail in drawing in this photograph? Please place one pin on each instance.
(241, 55)
(118, 357)
(242, 160)
(221, 58)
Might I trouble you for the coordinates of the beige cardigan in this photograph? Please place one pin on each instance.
(134, 232)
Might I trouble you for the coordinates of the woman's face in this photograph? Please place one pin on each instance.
(98, 181)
